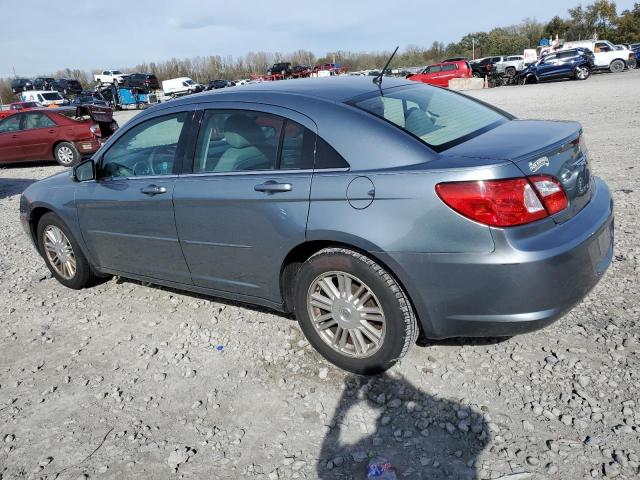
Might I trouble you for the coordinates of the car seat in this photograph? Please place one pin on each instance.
(244, 153)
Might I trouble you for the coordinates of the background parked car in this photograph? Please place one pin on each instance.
(109, 76)
(606, 56)
(21, 84)
(68, 86)
(88, 99)
(510, 65)
(281, 68)
(180, 86)
(141, 80)
(18, 107)
(216, 84)
(484, 66)
(439, 74)
(46, 135)
(576, 63)
(44, 83)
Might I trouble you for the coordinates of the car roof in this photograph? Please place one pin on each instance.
(336, 89)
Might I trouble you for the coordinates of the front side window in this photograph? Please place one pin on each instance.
(439, 118)
(10, 124)
(149, 148)
(37, 120)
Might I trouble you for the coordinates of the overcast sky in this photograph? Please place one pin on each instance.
(42, 36)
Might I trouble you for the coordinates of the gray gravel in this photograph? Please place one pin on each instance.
(127, 380)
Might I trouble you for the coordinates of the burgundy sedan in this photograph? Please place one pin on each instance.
(48, 135)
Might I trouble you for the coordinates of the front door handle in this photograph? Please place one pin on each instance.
(153, 190)
(273, 187)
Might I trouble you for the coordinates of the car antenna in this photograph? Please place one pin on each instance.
(378, 79)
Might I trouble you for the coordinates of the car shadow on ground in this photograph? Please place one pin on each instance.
(421, 435)
(13, 186)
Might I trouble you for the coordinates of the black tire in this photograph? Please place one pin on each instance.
(510, 72)
(66, 154)
(84, 276)
(582, 73)
(617, 66)
(401, 325)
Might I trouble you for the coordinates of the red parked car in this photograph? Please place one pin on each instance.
(44, 134)
(439, 74)
(17, 107)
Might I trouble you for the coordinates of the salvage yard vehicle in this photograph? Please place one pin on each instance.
(176, 87)
(282, 68)
(373, 210)
(440, 74)
(483, 66)
(6, 110)
(576, 63)
(146, 81)
(510, 65)
(44, 83)
(68, 86)
(44, 97)
(125, 97)
(109, 77)
(48, 134)
(606, 56)
(19, 85)
(215, 84)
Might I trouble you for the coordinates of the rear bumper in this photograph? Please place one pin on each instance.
(534, 276)
(88, 146)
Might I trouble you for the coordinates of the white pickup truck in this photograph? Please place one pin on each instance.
(109, 76)
(607, 57)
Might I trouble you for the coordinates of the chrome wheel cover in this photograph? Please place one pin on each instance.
(346, 314)
(65, 155)
(582, 73)
(59, 252)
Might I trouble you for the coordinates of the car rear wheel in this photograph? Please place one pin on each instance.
(66, 154)
(62, 254)
(582, 73)
(510, 72)
(353, 311)
(616, 66)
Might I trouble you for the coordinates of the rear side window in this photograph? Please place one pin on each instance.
(437, 117)
(37, 120)
(327, 157)
(448, 67)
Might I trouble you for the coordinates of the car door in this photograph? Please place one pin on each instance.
(126, 215)
(244, 205)
(38, 136)
(547, 68)
(449, 71)
(10, 137)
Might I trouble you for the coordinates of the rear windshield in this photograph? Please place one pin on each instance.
(51, 96)
(439, 118)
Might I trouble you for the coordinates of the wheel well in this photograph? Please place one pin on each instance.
(36, 214)
(296, 257)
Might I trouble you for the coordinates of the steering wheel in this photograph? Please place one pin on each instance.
(161, 160)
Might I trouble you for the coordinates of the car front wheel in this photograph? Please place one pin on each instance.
(66, 154)
(62, 254)
(353, 312)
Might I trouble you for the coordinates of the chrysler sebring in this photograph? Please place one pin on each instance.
(373, 212)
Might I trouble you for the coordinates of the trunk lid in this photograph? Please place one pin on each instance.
(538, 148)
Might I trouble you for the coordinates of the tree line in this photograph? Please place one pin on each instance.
(599, 19)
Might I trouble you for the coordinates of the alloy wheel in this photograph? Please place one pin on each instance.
(59, 252)
(346, 314)
(582, 73)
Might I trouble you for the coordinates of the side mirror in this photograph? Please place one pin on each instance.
(84, 171)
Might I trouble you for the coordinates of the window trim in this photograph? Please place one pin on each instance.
(181, 150)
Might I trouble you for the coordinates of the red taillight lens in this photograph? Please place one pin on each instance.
(505, 203)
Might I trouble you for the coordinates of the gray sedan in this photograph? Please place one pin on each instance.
(375, 213)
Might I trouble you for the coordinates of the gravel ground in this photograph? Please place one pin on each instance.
(128, 380)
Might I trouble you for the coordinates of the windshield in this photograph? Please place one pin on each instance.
(437, 117)
(51, 96)
(190, 82)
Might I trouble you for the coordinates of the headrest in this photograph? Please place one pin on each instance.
(241, 131)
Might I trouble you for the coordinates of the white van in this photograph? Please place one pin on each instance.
(42, 96)
(607, 57)
(180, 86)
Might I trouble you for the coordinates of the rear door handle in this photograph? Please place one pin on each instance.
(153, 190)
(273, 187)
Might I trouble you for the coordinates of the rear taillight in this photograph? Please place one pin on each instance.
(505, 203)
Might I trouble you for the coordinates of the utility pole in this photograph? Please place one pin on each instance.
(14, 72)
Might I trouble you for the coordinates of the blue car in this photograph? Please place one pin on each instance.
(575, 63)
(375, 213)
